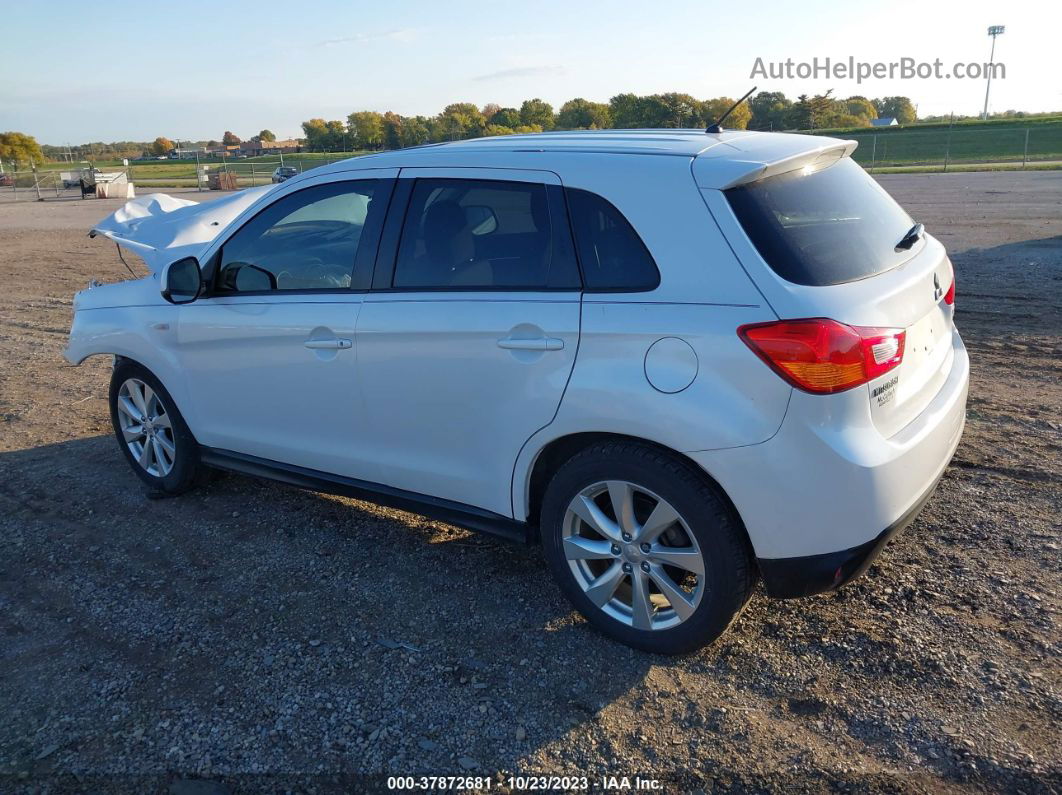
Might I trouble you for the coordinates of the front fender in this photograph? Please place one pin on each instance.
(145, 334)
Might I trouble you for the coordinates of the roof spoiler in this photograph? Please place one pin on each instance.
(815, 159)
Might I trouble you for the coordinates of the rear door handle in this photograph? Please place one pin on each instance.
(328, 345)
(539, 344)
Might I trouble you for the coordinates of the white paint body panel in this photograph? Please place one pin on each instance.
(255, 388)
(447, 410)
(828, 480)
(425, 400)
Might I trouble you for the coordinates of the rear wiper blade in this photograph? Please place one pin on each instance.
(909, 239)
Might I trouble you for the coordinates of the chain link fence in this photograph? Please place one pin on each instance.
(45, 184)
(941, 148)
(246, 173)
(59, 183)
(949, 148)
(36, 186)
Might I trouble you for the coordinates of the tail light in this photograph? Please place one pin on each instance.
(823, 356)
(949, 296)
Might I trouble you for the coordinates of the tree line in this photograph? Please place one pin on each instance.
(366, 129)
(768, 110)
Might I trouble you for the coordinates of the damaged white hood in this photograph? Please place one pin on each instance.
(161, 228)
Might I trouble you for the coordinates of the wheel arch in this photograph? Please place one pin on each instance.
(166, 370)
(557, 451)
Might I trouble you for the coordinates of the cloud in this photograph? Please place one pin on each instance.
(402, 35)
(521, 71)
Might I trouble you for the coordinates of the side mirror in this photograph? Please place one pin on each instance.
(182, 281)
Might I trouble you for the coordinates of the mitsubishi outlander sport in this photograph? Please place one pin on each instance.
(680, 361)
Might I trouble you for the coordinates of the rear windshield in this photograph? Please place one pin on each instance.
(825, 227)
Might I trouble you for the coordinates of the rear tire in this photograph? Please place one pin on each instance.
(671, 573)
(151, 432)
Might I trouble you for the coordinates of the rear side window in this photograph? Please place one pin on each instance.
(831, 226)
(612, 256)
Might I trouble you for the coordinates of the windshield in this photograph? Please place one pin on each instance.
(823, 227)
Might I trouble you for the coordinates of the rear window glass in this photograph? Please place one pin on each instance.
(825, 227)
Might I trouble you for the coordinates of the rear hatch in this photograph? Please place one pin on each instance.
(823, 239)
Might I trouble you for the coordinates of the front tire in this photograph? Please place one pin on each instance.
(151, 432)
(645, 548)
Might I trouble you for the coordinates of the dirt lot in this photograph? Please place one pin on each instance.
(259, 635)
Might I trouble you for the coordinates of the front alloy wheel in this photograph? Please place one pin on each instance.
(151, 432)
(633, 555)
(146, 427)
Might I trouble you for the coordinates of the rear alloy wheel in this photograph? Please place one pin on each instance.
(645, 546)
(151, 432)
(633, 555)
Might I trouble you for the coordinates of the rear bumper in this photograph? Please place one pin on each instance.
(791, 578)
(821, 498)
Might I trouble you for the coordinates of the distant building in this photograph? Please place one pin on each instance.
(253, 148)
(884, 121)
(187, 152)
(225, 150)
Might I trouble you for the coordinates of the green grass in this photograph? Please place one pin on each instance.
(966, 142)
(913, 146)
(967, 124)
(245, 182)
(181, 173)
(953, 167)
(149, 171)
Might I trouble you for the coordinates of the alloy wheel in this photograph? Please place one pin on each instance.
(146, 428)
(633, 555)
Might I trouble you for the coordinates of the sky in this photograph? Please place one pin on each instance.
(74, 72)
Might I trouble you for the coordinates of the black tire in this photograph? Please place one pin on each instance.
(729, 570)
(186, 471)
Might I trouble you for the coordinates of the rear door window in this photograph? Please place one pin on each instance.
(463, 234)
(823, 227)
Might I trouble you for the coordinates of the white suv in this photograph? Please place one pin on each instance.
(679, 360)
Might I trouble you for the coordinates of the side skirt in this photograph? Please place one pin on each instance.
(455, 513)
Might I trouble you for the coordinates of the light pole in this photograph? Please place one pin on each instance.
(993, 31)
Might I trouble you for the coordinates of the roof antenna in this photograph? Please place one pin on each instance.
(717, 127)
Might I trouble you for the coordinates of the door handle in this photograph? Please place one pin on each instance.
(328, 345)
(539, 344)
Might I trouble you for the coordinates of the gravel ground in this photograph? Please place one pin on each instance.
(268, 638)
